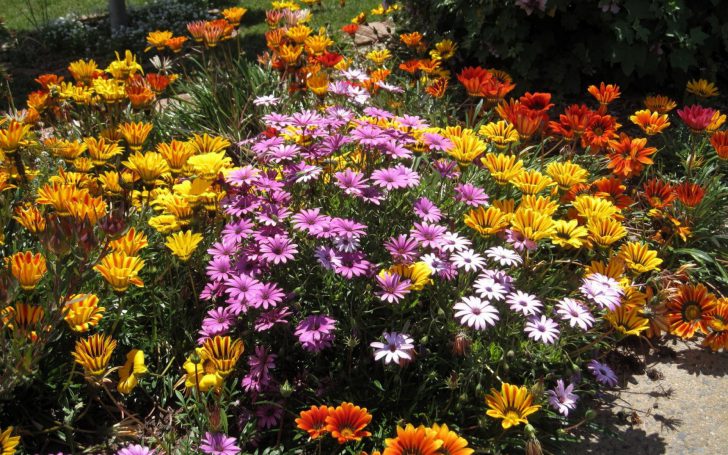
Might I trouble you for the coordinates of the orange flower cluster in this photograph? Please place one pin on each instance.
(491, 84)
(345, 423)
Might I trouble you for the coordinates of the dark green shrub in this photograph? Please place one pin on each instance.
(569, 43)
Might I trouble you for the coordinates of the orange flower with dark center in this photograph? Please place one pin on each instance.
(690, 194)
(347, 422)
(476, 80)
(157, 82)
(537, 102)
(410, 66)
(452, 443)
(719, 141)
(525, 120)
(658, 193)
(24, 319)
(599, 131)
(413, 441)
(413, 39)
(313, 421)
(689, 311)
(629, 156)
(175, 43)
(140, 97)
(718, 337)
(613, 189)
(605, 94)
(572, 122)
(437, 88)
(30, 218)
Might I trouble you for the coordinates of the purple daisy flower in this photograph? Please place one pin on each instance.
(135, 449)
(526, 304)
(316, 332)
(240, 290)
(470, 195)
(278, 250)
(218, 269)
(352, 265)
(499, 277)
(447, 169)
(427, 211)
(603, 373)
(602, 290)
(490, 289)
(218, 321)
(308, 219)
(397, 348)
(329, 258)
(392, 287)
(223, 248)
(427, 234)
(476, 313)
(237, 231)
(562, 399)
(575, 313)
(267, 295)
(353, 183)
(544, 329)
(219, 444)
(395, 178)
(347, 228)
(245, 175)
(436, 141)
(520, 241)
(402, 248)
(267, 319)
(268, 415)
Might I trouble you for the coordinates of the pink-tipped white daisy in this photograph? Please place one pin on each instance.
(397, 348)
(488, 288)
(575, 313)
(468, 260)
(543, 329)
(526, 304)
(476, 313)
(504, 256)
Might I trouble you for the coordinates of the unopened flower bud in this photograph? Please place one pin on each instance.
(286, 389)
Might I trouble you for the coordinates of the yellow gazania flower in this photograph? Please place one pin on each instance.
(24, 319)
(299, 33)
(650, 122)
(318, 83)
(27, 268)
(83, 70)
(176, 153)
(418, 273)
(502, 167)
(500, 133)
(512, 404)
(101, 151)
(531, 182)
(379, 56)
(465, 148)
(58, 195)
(289, 53)
(594, 208)
(639, 257)
(702, 88)
(120, 270)
(532, 225)
(507, 206)
(82, 312)
(87, 208)
(566, 174)
(165, 223)
(130, 243)
(183, 244)
(83, 164)
(209, 165)
(135, 133)
(660, 104)
(131, 370)
(94, 353)
(201, 372)
(224, 353)
(208, 144)
(30, 218)
(150, 166)
(605, 231)
(317, 44)
(716, 121)
(614, 268)
(158, 39)
(488, 221)
(175, 205)
(65, 149)
(628, 321)
(234, 15)
(634, 298)
(413, 39)
(568, 234)
(538, 203)
(444, 50)
(111, 182)
(122, 69)
(111, 90)
(13, 136)
(8, 443)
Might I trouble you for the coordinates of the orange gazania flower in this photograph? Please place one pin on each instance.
(94, 353)
(719, 141)
(130, 243)
(82, 312)
(410, 66)
(525, 120)
(660, 104)
(411, 440)
(650, 122)
(234, 15)
(628, 156)
(658, 193)
(140, 97)
(46, 80)
(24, 319)
(572, 122)
(690, 194)
(175, 43)
(689, 311)
(599, 131)
(30, 218)
(539, 102)
(452, 443)
(157, 82)
(135, 133)
(347, 422)
(350, 29)
(605, 93)
(474, 79)
(313, 421)
(613, 189)
(413, 39)
(437, 88)
(27, 268)
(718, 337)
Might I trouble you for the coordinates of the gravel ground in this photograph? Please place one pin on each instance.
(675, 403)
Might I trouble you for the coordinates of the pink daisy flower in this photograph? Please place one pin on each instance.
(543, 329)
(476, 313)
(526, 304)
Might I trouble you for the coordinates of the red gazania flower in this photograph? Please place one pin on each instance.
(613, 189)
(498, 86)
(628, 156)
(696, 117)
(525, 120)
(719, 141)
(537, 102)
(313, 421)
(347, 422)
(658, 193)
(689, 194)
(410, 66)
(46, 80)
(575, 190)
(329, 59)
(157, 82)
(437, 88)
(350, 29)
(599, 131)
(718, 323)
(270, 132)
(605, 94)
(474, 79)
(572, 122)
(690, 310)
